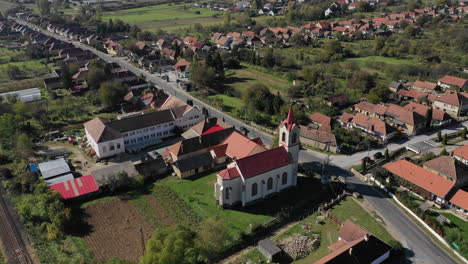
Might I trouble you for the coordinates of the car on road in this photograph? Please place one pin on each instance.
(378, 155)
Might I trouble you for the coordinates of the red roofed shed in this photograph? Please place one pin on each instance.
(76, 187)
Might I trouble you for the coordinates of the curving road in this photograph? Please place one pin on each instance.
(421, 248)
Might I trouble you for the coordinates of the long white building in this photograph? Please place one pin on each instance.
(111, 137)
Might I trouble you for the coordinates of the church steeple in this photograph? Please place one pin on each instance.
(290, 121)
(289, 134)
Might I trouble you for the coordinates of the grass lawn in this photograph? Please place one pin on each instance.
(241, 79)
(164, 16)
(463, 225)
(231, 104)
(29, 69)
(199, 195)
(347, 209)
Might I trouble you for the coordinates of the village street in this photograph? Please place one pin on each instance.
(422, 249)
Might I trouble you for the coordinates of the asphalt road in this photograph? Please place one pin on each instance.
(421, 248)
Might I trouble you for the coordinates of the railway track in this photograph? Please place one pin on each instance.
(15, 249)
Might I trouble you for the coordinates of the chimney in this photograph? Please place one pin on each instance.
(366, 237)
(351, 251)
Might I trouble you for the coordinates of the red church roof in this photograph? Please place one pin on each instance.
(229, 173)
(76, 187)
(262, 162)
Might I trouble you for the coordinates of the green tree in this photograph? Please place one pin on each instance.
(227, 18)
(96, 76)
(439, 136)
(443, 152)
(364, 165)
(333, 46)
(171, 245)
(110, 93)
(463, 133)
(22, 111)
(378, 94)
(13, 71)
(8, 129)
(445, 139)
(254, 5)
(43, 6)
(202, 75)
(378, 44)
(24, 146)
(386, 154)
(212, 237)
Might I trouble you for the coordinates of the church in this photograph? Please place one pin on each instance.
(257, 176)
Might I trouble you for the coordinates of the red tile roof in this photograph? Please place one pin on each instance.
(373, 108)
(346, 117)
(424, 85)
(461, 152)
(318, 135)
(372, 124)
(404, 115)
(182, 65)
(460, 199)
(350, 231)
(439, 115)
(76, 187)
(229, 173)
(455, 81)
(320, 119)
(447, 166)
(418, 108)
(411, 93)
(452, 98)
(240, 146)
(421, 177)
(262, 162)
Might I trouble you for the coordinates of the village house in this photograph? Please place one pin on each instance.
(438, 118)
(461, 154)
(373, 126)
(182, 68)
(448, 82)
(319, 139)
(320, 121)
(432, 186)
(111, 47)
(206, 126)
(453, 103)
(262, 174)
(425, 87)
(108, 138)
(459, 202)
(356, 245)
(395, 86)
(372, 110)
(405, 120)
(449, 168)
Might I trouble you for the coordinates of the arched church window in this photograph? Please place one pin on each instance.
(284, 179)
(283, 137)
(270, 183)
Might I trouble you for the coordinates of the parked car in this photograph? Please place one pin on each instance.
(406, 158)
(367, 159)
(378, 155)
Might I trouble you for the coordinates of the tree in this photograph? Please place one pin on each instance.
(364, 165)
(212, 237)
(201, 75)
(22, 111)
(171, 245)
(13, 71)
(463, 133)
(24, 146)
(96, 76)
(227, 18)
(333, 46)
(378, 94)
(254, 5)
(386, 154)
(363, 7)
(445, 140)
(443, 152)
(43, 6)
(110, 93)
(439, 136)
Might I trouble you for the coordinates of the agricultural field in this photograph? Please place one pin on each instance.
(167, 16)
(328, 231)
(115, 230)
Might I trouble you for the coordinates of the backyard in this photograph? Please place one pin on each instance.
(328, 230)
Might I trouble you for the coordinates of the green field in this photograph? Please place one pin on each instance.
(231, 104)
(243, 78)
(164, 16)
(199, 195)
(347, 209)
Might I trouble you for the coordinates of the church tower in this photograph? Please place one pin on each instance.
(289, 134)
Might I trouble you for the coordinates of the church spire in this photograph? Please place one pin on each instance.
(290, 121)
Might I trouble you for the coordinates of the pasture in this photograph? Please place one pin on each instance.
(165, 16)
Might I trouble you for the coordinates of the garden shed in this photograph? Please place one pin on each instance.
(270, 250)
